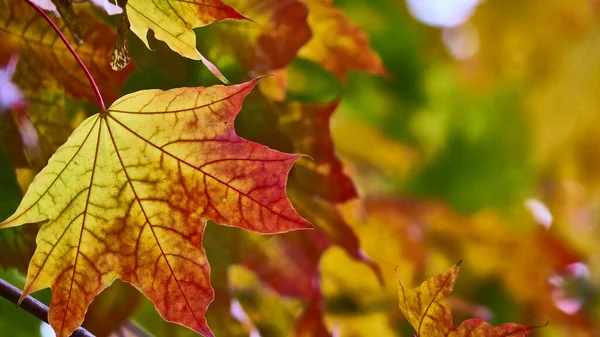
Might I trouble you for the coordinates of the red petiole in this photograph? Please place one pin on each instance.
(73, 52)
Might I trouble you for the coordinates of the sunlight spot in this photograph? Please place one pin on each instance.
(110, 8)
(238, 313)
(579, 269)
(10, 95)
(570, 287)
(147, 158)
(46, 330)
(540, 212)
(442, 13)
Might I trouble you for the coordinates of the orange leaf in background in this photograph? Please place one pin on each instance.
(129, 195)
(271, 40)
(313, 29)
(289, 264)
(317, 183)
(308, 126)
(337, 43)
(50, 78)
(428, 311)
(47, 64)
(310, 323)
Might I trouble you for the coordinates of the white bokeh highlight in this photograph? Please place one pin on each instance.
(442, 13)
(10, 95)
(46, 330)
(563, 299)
(540, 212)
(108, 7)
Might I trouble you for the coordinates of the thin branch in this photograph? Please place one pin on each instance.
(33, 306)
(73, 52)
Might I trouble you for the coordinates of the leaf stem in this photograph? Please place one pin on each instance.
(73, 52)
(33, 306)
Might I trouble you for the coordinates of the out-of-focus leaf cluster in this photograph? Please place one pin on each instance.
(441, 160)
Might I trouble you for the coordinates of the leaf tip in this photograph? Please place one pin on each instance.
(245, 18)
(205, 331)
(305, 156)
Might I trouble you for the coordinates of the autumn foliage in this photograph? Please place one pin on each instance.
(427, 309)
(262, 167)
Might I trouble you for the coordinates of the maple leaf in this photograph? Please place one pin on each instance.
(270, 41)
(427, 309)
(172, 22)
(338, 44)
(316, 30)
(316, 185)
(129, 193)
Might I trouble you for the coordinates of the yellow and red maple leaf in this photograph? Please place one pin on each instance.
(129, 194)
(427, 309)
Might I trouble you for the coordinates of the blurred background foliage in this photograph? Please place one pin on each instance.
(480, 142)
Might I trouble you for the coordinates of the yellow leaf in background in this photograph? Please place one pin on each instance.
(338, 44)
(373, 155)
(427, 309)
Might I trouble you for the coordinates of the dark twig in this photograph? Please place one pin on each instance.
(33, 306)
(75, 55)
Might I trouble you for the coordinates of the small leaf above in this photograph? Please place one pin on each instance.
(129, 194)
(172, 22)
(427, 309)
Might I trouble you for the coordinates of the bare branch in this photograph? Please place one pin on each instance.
(33, 306)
